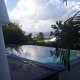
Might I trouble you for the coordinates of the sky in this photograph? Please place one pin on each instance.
(39, 15)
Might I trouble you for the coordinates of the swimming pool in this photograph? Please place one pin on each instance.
(41, 54)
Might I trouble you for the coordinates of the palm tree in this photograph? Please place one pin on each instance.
(65, 1)
(67, 37)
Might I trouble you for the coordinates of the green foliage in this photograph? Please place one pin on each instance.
(13, 34)
(67, 37)
(67, 34)
(43, 43)
(29, 39)
(40, 36)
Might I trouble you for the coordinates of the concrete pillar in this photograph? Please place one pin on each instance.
(4, 69)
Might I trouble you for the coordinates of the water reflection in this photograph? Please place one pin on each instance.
(32, 52)
(14, 50)
(37, 53)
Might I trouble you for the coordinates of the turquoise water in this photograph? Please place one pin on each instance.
(39, 53)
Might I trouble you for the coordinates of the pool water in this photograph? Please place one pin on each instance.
(40, 54)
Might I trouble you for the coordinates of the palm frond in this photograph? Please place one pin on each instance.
(65, 1)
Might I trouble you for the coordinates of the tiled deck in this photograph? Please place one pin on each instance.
(24, 69)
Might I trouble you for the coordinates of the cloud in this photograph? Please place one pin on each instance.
(5, 1)
(37, 25)
(73, 7)
(38, 15)
(36, 9)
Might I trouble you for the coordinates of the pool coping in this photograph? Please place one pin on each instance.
(53, 72)
(72, 64)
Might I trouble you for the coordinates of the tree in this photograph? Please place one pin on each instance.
(40, 36)
(29, 39)
(13, 34)
(67, 37)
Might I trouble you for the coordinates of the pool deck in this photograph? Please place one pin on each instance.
(24, 69)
